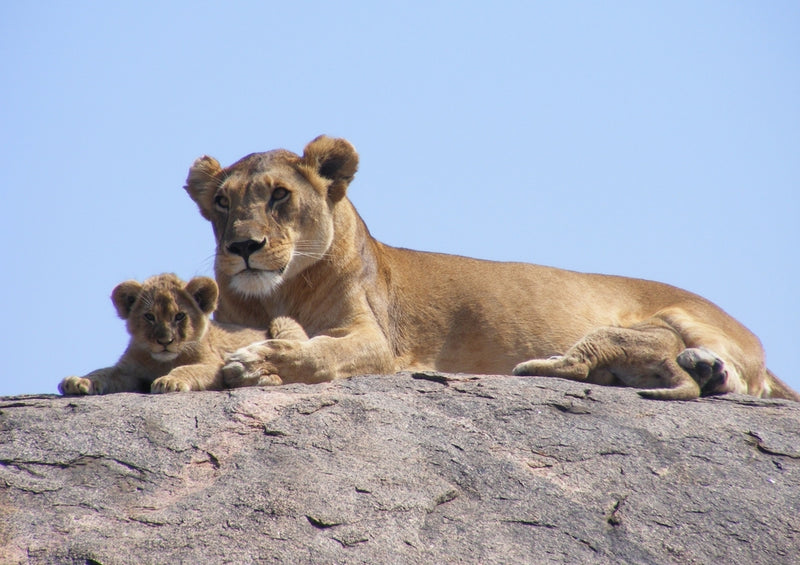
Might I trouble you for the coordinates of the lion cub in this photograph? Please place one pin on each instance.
(174, 345)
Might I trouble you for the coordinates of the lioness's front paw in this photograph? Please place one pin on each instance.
(240, 366)
(260, 364)
(169, 384)
(235, 375)
(76, 385)
(536, 367)
(250, 354)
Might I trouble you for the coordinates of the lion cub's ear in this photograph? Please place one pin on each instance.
(333, 159)
(205, 292)
(202, 183)
(124, 297)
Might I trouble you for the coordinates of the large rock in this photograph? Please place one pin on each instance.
(423, 468)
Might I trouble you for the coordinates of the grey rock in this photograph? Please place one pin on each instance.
(409, 468)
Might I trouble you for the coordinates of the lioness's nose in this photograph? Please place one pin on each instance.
(247, 247)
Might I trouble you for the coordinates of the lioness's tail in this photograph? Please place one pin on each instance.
(779, 389)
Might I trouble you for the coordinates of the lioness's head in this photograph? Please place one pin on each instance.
(163, 314)
(272, 212)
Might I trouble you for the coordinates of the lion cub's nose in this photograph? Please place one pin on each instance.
(165, 341)
(247, 247)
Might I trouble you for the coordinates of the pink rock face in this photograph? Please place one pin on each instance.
(409, 468)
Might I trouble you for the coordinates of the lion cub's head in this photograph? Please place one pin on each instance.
(272, 212)
(163, 314)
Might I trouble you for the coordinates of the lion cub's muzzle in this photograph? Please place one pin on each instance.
(165, 349)
(162, 345)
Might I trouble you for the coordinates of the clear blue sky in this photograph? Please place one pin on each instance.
(651, 139)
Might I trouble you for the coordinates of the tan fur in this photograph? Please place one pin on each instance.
(643, 355)
(174, 346)
(290, 243)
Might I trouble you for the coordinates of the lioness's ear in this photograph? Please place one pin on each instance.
(204, 291)
(333, 159)
(124, 296)
(202, 183)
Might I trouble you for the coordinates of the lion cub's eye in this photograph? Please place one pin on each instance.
(149, 317)
(179, 316)
(279, 195)
(221, 201)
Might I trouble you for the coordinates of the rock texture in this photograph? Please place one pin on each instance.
(423, 468)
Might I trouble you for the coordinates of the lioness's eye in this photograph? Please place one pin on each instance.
(279, 194)
(179, 316)
(221, 201)
(149, 317)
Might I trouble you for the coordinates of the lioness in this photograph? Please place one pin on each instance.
(290, 243)
(174, 346)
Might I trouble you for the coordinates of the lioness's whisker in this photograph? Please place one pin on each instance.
(311, 255)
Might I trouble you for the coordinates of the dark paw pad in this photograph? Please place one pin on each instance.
(706, 368)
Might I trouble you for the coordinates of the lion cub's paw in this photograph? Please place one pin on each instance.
(77, 385)
(169, 384)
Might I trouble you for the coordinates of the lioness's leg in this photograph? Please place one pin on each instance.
(284, 327)
(592, 359)
(678, 384)
(321, 359)
(641, 356)
(235, 375)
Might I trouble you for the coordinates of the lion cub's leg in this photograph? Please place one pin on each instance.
(234, 373)
(642, 356)
(101, 381)
(189, 377)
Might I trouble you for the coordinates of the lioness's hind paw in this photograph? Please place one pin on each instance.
(705, 367)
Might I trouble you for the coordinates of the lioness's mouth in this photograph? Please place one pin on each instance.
(251, 270)
(257, 282)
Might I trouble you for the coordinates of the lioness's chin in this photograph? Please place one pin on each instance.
(254, 283)
(164, 356)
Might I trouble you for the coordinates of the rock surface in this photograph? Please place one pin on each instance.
(422, 468)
